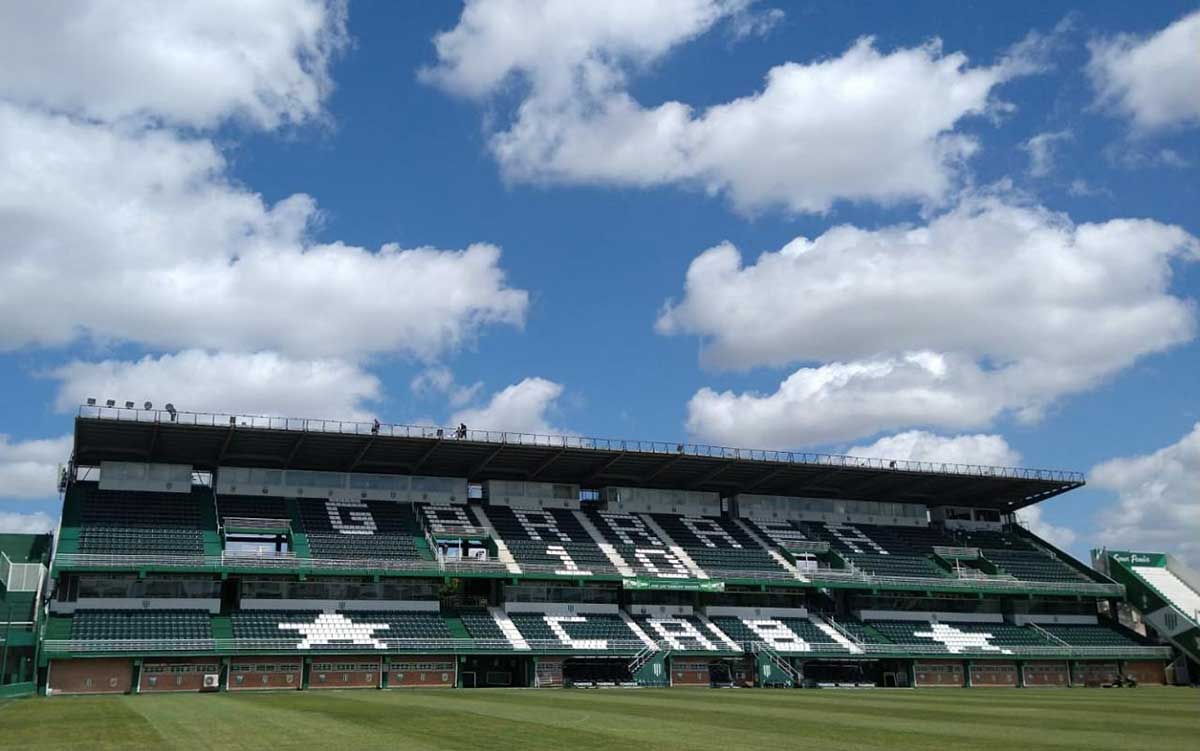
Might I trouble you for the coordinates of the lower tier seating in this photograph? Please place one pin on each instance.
(141, 624)
(862, 631)
(1090, 635)
(581, 631)
(789, 635)
(683, 633)
(353, 629)
(957, 638)
(481, 625)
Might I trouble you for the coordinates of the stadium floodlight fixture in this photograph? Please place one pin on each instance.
(170, 408)
(128, 405)
(91, 401)
(110, 403)
(147, 405)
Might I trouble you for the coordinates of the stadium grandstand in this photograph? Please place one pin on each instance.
(202, 552)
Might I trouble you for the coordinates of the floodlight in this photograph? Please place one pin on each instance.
(128, 405)
(110, 403)
(170, 408)
(91, 401)
(147, 405)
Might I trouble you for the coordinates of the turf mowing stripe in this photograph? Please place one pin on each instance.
(980, 732)
(584, 720)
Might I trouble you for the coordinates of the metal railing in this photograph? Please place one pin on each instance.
(240, 645)
(414, 567)
(255, 523)
(20, 577)
(300, 424)
(948, 551)
(998, 583)
(633, 647)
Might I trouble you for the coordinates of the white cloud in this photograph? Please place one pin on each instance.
(866, 125)
(141, 236)
(439, 379)
(846, 400)
(1042, 150)
(1058, 536)
(990, 307)
(191, 64)
(548, 40)
(27, 524)
(1157, 508)
(264, 383)
(923, 446)
(29, 469)
(523, 407)
(1152, 80)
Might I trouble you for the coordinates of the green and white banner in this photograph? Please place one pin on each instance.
(676, 585)
(1138, 559)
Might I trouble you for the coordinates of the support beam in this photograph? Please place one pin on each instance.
(292, 452)
(539, 469)
(486, 461)
(710, 475)
(361, 453)
(225, 443)
(153, 441)
(602, 468)
(663, 467)
(765, 477)
(424, 457)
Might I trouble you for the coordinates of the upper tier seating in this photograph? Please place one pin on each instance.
(251, 507)
(141, 624)
(960, 637)
(140, 523)
(352, 629)
(592, 631)
(547, 537)
(1090, 635)
(1033, 566)
(717, 545)
(883, 551)
(354, 529)
(781, 533)
(987, 539)
(785, 634)
(685, 633)
(641, 548)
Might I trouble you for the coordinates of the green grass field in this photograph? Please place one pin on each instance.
(1161, 719)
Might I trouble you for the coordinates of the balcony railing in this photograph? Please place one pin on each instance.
(20, 577)
(300, 424)
(234, 646)
(492, 566)
(966, 583)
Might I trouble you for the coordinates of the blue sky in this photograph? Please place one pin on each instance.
(995, 206)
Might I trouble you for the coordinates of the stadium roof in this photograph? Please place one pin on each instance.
(207, 441)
